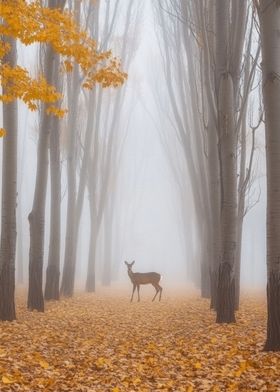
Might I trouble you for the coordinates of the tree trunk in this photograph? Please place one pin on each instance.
(68, 276)
(71, 238)
(107, 266)
(67, 287)
(205, 267)
(226, 281)
(91, 278)
(37, 215)
(19, 253)
(238, 260)
(241, 210)
(52, 274)
(273, 319)
(215, 203)
(37, 223)
(270, 40)
(9, 198)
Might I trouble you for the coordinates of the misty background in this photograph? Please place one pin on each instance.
(147, 220)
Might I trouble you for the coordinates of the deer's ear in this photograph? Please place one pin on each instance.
(133, 262)
(126, 262)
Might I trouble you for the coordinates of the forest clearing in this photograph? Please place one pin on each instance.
(103, 342)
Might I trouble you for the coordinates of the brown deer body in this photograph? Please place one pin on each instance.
(138, 278)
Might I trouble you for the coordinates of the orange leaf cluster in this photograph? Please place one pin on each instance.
(18, 84)
(104, 343)
(33, 23)
(30, 23)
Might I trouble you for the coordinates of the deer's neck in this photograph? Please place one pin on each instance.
(131, 275)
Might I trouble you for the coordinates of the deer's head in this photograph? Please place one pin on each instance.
(129, 266)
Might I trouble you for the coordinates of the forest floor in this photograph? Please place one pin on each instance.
(102, 342)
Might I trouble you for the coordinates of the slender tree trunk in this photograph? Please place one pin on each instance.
(71, 238)
(215, 203)
(107, 266)
(37, 215)
(238, 257)
(9, 197)
(226, 278)
(241, 210)
(68, 277)
(53, 272)
(67, 287)
(19, 252)
(243, 174)
(229, 36)
(205, 272)
(20, 256)
(91, 276)
(37, 223)
(269, 14)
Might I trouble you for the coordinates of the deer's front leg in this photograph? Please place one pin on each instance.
(138, 288)
(134, 287)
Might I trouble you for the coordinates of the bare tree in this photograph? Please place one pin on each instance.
(9, 199)
(37, 215)
(53, 268)
(269, 16)
(106, 145)
(73, 92)
(219, 79)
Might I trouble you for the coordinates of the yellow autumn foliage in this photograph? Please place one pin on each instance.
(18, 84)
(31, 23)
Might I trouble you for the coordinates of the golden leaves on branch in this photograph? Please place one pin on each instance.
(18, 84)
(31, 23)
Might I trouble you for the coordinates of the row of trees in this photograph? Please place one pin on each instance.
(211, 54)
(211, 57)
(76, 65)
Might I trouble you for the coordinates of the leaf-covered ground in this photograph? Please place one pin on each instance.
(104, 343)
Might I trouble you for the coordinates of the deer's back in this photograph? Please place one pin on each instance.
(146, 277)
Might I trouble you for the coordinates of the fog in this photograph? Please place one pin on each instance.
(146, 215)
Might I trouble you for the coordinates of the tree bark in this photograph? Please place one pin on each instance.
(91, 276)
(37, 215)
(71, 239)
(269, 14)
(19, 252)
(107, 262)
(9, 200)
(214, 185)
(226, 278)
(53, 272)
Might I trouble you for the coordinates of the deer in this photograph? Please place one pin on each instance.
(138, 278)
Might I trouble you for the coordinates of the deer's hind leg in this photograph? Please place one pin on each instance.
(160, 289)
(157, 287)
